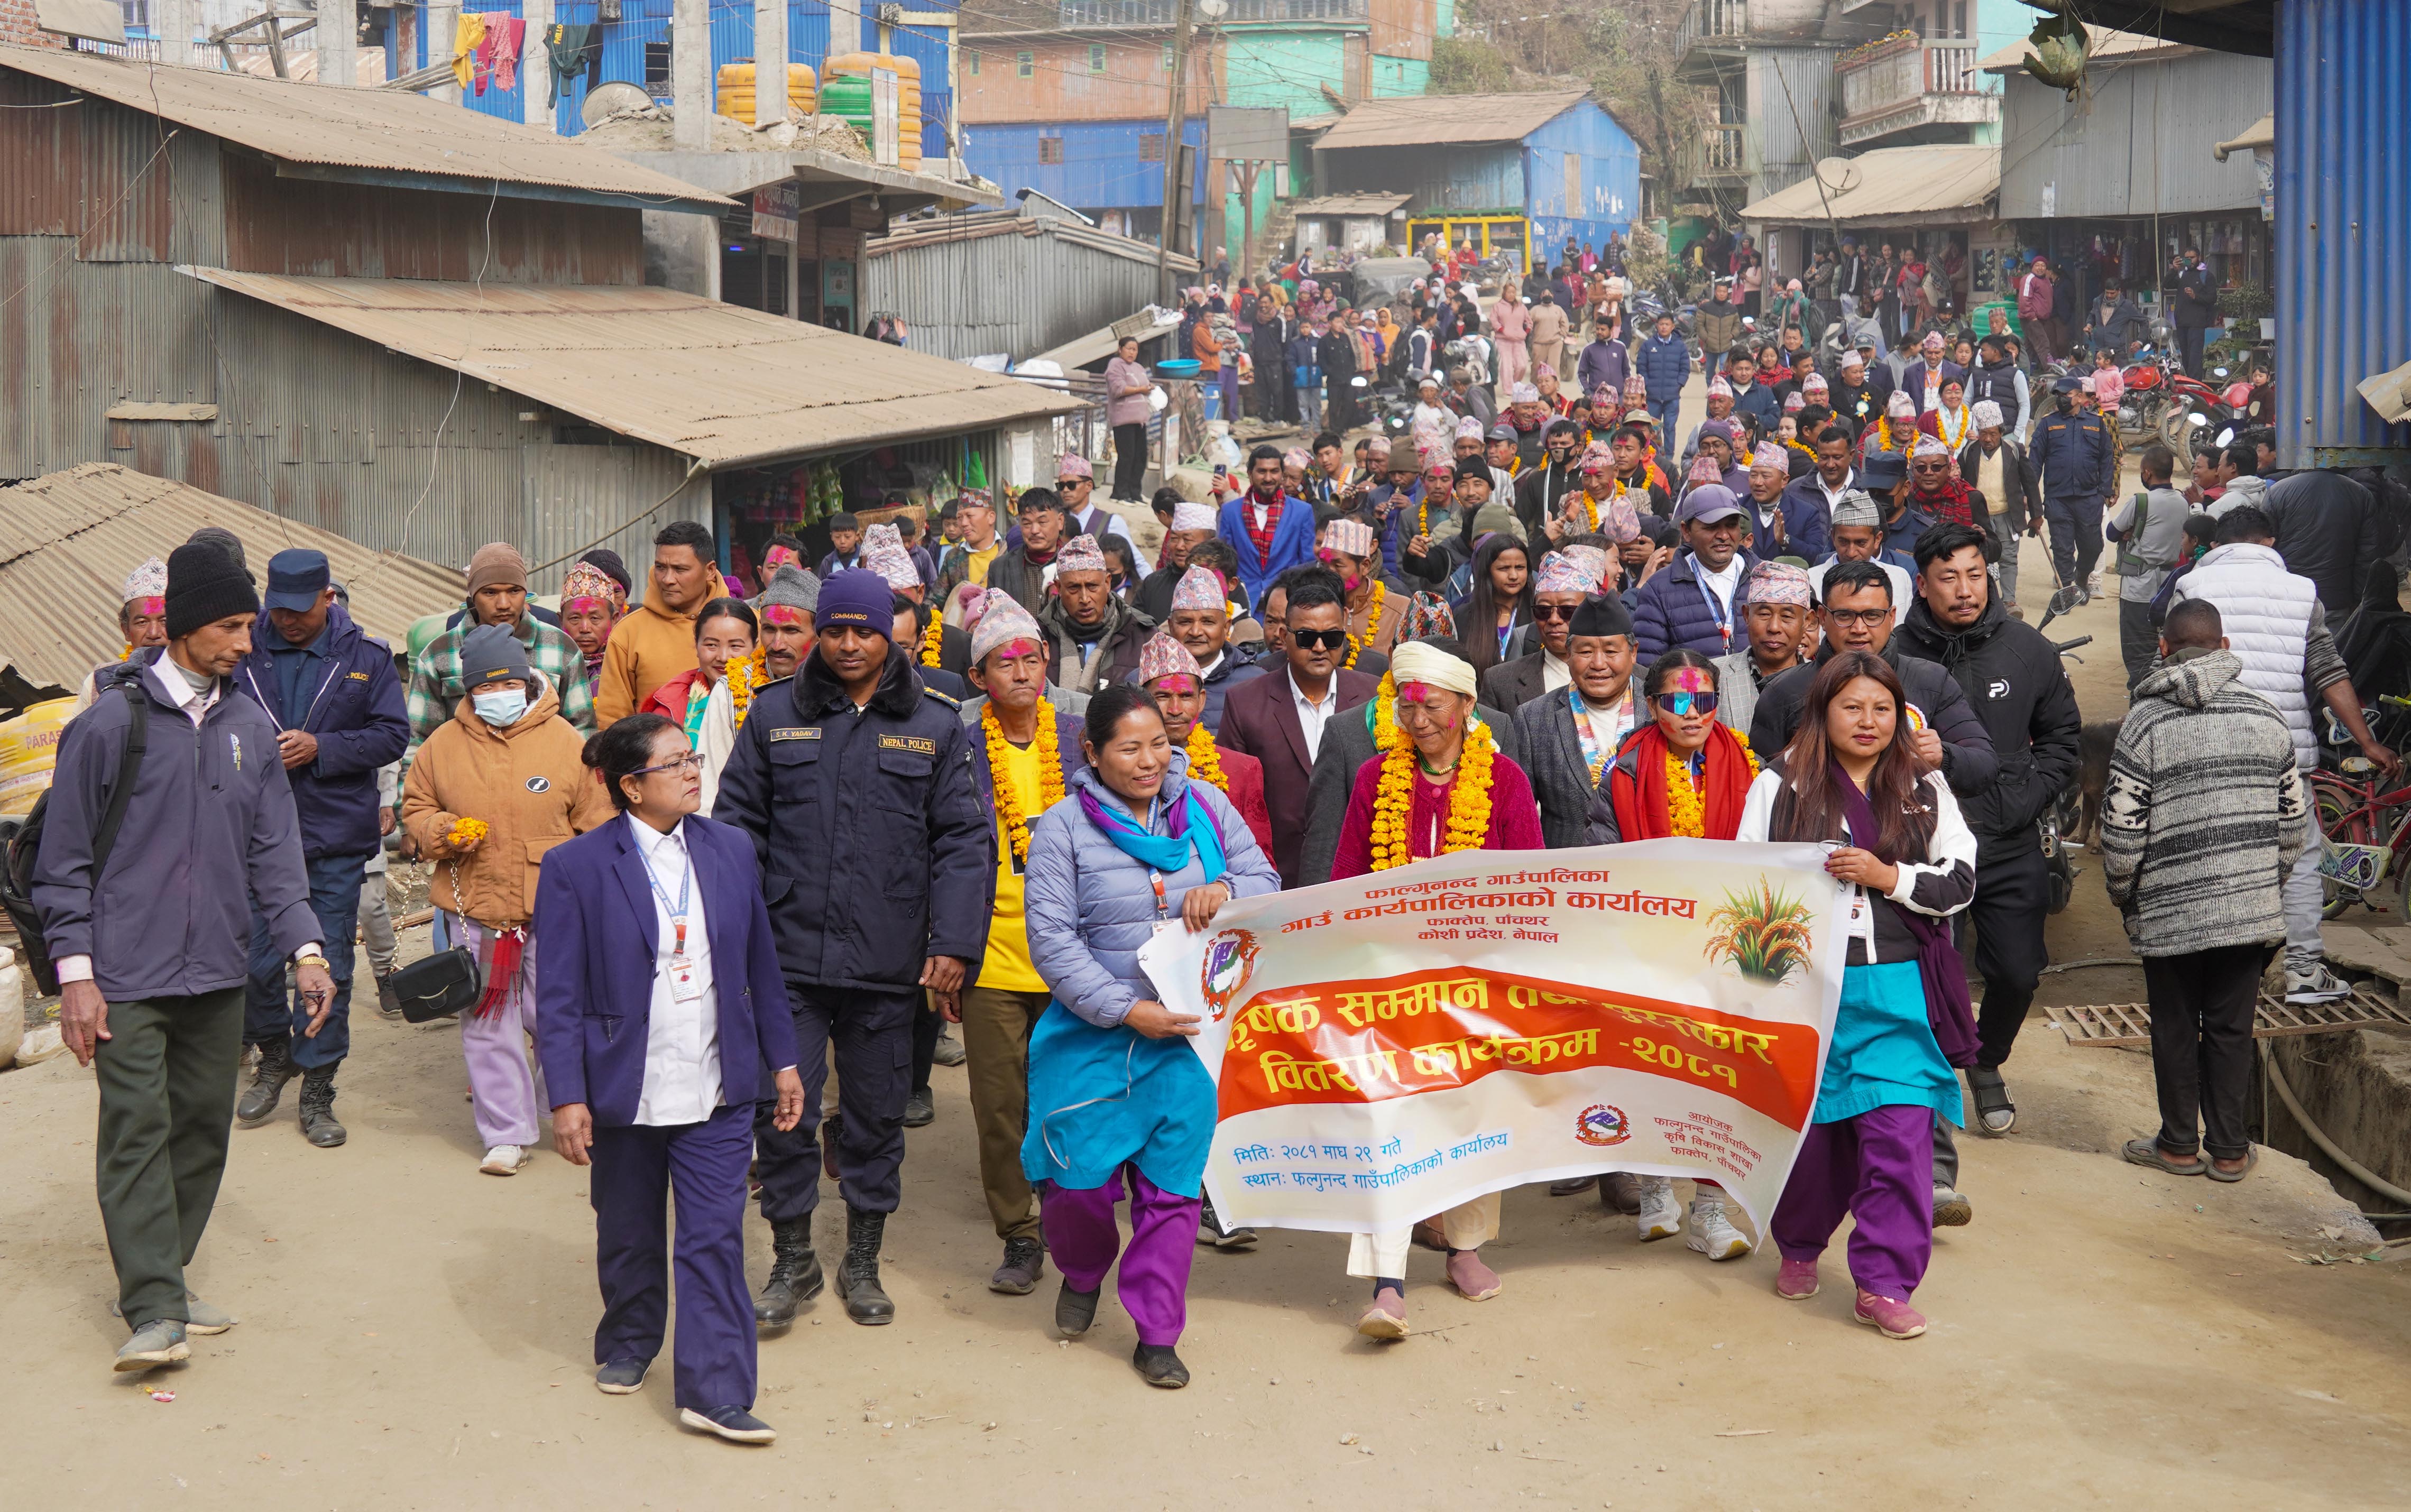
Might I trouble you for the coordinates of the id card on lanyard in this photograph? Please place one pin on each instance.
(686, 982)
(1723, 611)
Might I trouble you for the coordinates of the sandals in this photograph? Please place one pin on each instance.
(2251, 1158)
(2147, 1152)
(1991, 1097)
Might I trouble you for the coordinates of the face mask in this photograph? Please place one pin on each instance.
(500, 710)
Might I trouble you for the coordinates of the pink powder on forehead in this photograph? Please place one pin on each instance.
(1691, 680)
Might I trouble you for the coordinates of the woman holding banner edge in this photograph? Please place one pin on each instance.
(1117, 1101)
(1903, 1020)
(1443, 788)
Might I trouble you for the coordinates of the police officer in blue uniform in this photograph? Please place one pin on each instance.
(2071, 451)
(854, 781)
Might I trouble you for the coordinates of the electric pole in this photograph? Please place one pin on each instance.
(1175, 124)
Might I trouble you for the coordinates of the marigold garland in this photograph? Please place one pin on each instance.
(1687, 814)
(999, 770)
(1206, 759)
(742, 678)
(932, 639)
(1386, 720)
(1372, 623)
(1468, 801)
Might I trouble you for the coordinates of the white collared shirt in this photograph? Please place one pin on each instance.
(1554, 673)
(1311, 716)
(682, 1082)
(1726, 584)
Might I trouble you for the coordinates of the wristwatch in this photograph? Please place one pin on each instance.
(318, 961)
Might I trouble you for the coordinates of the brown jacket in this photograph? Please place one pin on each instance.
(527, 782)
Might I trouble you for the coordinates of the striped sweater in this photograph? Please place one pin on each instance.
(2204, 811)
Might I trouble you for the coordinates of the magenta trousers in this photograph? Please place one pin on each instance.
(1878, 1168)
(1153, 1284)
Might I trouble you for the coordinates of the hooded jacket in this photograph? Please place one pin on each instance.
(876, 852)
(351, 700)
(208, 828)
(526, 781)
(2013, 680)
(651, 644)
(2202, 817)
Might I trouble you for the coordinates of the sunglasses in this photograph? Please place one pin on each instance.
(1929, 467)
(1554, 611)
(1681, 705)
(1310, 639)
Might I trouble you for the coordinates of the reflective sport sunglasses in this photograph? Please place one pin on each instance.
(1681, 705)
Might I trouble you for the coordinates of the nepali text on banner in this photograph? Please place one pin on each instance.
(1392, 1045)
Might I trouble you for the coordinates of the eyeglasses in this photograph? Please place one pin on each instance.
(1681, 705)
(1554, 611)
(1842, 618)
(691, 761)
(1310, 639)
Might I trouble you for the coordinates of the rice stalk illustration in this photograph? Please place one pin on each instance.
(1763, 931)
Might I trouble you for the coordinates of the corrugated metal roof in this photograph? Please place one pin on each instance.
(1349, 205)
(972, 226)
(1417, 120)
(2107, 43)
(67, 541)
(352, 128)
(1895, 185)
(723, 385)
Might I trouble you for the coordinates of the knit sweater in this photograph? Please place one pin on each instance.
(2204, 816)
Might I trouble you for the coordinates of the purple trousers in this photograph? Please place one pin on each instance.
(1878, 1168)
(1153, 1284)
(637, 1170)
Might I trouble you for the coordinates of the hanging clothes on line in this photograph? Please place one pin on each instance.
(568, 49)
(468, 35)
(511, 37)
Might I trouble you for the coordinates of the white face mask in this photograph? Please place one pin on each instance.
(502, 708)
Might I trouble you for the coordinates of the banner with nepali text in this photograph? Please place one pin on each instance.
(1389, 1046)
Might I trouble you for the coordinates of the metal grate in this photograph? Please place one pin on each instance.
(2130, 1024)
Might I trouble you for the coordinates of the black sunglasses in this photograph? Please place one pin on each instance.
(1310, 639)
(1554, 611)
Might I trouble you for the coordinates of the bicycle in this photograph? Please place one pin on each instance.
(2063, 816)
(2364, 831)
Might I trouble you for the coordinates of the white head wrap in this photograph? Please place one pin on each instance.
(1414, 662)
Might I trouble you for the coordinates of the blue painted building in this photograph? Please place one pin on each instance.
(1521, 172)
(1098, 167)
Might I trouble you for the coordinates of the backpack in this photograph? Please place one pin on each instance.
(26, 846)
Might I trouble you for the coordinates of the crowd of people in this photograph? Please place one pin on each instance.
(697, 846)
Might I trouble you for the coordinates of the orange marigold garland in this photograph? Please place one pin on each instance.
(1386, 716)
(1372, 624)
(742, 678)
(1468, 801)
(1686, 814)
(1008, 797)
(1206, 759)
(932, 639)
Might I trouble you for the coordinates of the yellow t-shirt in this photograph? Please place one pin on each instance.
(976, 565)
(1006, 966)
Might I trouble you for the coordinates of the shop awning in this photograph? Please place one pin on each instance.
(725, 385)
(1895, 187)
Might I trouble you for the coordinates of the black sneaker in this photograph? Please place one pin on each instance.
(1025, 1262)
(622, 1377)
(389, 1000)
(735, 1424)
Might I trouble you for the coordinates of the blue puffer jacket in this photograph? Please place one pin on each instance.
(1670, 610)
(1665, 364)
(1090, 906)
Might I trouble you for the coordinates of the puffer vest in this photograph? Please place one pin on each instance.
(2265, 612)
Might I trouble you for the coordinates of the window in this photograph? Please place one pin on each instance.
(1150, 147)
(1022, 64)
(1096, 58)
(1050, 149)
(975, 62)
(1959, 19)
(1167, 57)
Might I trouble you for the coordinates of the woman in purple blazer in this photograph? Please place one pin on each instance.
(662, 1021)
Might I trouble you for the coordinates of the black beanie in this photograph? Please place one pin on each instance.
(205, 585)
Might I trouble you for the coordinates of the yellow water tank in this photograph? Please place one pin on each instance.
(737, 91)
(29, 744)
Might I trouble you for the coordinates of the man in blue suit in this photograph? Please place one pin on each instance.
(661, 1022)
(1271, 530)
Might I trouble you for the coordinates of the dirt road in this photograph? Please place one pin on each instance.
(416, 1335)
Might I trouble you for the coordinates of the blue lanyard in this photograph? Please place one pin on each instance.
(1722, 613)
(1508, 634)
(686, 894)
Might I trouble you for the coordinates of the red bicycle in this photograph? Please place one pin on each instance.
(2365, 828)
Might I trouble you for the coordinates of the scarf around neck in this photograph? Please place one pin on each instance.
(1190, 824)
(1644, 809)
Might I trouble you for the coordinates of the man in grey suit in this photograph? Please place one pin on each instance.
(1347, 745)
(1569, 735)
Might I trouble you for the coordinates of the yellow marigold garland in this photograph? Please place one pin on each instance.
(742, 678)
(1008, 797)
(1206, 759)
(1372, 623)
(1687, 814)
(932, 639)
(1468, 801)
(1385, 714)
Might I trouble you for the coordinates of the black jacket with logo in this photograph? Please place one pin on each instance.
(2015, 683)
(876, 850)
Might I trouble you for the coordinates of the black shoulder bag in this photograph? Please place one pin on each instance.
(444, 982)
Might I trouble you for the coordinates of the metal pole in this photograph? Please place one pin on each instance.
(1174, 123)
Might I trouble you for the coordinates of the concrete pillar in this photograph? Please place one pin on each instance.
(690, 73)
(336, 38)
(845, 26)
(175, 19)
(535, 66)
(769, 62)
(442, 25)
